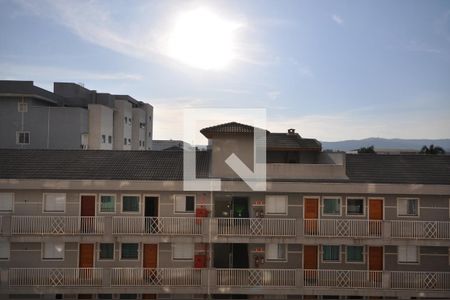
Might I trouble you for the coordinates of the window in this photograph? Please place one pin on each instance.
(276, 205)
(22, 107)
(124, 141)
(355, 254)
(6, 202)
(129, 141)
(183, 251)
(106, 251)
(109, 139)
(355, 206)
(408, 206)
(105, 296)
(22, 137)
(54, 202)
(107, 203)
(130, 203)
(130, 251)
(408, 254)
(331, 254)
(276, 252)
(184, 204)
(332, 206)
(53, 250)
(4, 249)
(103, 138)
(126, 120)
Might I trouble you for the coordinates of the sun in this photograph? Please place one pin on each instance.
(201, 39)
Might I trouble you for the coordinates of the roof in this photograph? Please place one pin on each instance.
(15, 88)
(231, 128)
(97, 164)
(291, 141)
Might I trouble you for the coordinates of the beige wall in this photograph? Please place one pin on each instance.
(223, 147)
(100, 123)
(121, 130)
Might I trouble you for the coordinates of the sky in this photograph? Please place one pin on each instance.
(333, 70)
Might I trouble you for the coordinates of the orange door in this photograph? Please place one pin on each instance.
(311, 215)
(310, 262)
(87, 212)
(85, 262)
(375, 262)
(149, 263)
(375, 216)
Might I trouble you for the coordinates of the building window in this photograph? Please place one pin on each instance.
(109, 139)
(184, 203)
(276, 252)
(6, 202)
(355, 254)
(142, 125)
(53, 250)
(126, 120)
(129, 141)
(182, 251)
(129, 251)
(103, 138)
(105, 296)
(124, 141)
(22, 107)
(106, 251)
(408, 207)
(276, 205)
(332, 206)
(107, 203)
(130, 204)
(128, 296)
(54, 202)
(4, 249)
(331, 253)
(408, 254)
(23, 137)
(355, 206)
(149, 134)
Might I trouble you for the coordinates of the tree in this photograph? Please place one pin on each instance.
(366, 149)
(432, 150)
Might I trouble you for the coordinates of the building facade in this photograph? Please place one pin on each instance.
(72, 117)
(118, 224)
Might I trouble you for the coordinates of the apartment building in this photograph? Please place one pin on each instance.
(118, 224)
(71, 117)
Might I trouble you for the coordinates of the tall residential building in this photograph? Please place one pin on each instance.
(71, 117)
(119, 225)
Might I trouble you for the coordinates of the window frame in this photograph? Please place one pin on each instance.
(182, 259)
(408, 216)
(100, 204)
(276, 260)
(355, 262)
(364, 206)
(139, 204)
(9, 250)
(130, 259)
(183, 212)
(286, 205)
(18, 137)
(417, 262)
(55, 211)
(22, 106)
(43, 258)
(331, 261)
(113, 252)
(323, 206)
(13, 200)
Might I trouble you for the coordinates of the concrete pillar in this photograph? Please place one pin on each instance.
(386, 229)
(386, 280)
(299, 278)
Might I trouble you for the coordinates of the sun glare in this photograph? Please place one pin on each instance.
(203, 40)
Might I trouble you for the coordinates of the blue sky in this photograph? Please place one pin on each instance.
(331, 69)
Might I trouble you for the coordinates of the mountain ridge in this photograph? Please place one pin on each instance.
(383, 143)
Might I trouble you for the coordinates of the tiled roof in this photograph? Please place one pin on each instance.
(291, 141)
(97, 164)
(227, 128)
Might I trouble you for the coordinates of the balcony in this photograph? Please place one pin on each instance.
(168, 277)
(342, 279)
(160, 225)
(55, 277)
(261, 227)
(57, 225)
(255, 278)
(420, 280)
(420, 229)
(342, 228)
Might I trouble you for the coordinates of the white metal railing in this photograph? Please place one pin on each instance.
(55, 277)
(160, 225)
(156, 277)
(255, 277)
(57, 225)
(420, 280)
(342, 228)
(256, 227)
(342, 278)
(420, 229)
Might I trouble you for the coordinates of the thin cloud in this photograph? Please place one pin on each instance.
(337, 19)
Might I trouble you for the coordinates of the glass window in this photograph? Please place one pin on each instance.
(130, 251)
(276, 251)
(408, 254)
(4, 249)
(130, 203)
(23, 137)
(276, 204)
(128, 296)
(355, 206)
(331, 206)
(53, 250)
(331, 253)
(109, 139)
(184, 204)
(107, 203)
(54, 202)
(6, 202)
(183, 251)
(105, 296)
(103, 138)
(355, 253)
(408, 206)
(106, 251)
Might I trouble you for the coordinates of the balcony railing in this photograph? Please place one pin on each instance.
(156, 277)
(420, 280)
(256, 227)
(420, 229)
(342, 278)
(342, 228)
(64, 277)
(56, 225)
(159, 225)
(255, 277)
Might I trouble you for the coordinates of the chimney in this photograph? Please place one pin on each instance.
(291, 131)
